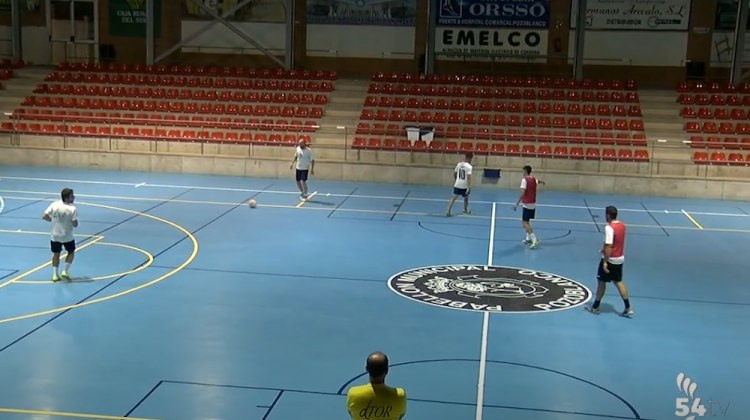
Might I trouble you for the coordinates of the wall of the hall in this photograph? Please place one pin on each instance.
(647, 41)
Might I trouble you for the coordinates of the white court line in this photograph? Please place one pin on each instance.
(377, 197)
(485, 324)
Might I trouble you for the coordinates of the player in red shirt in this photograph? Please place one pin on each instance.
(527, 198)
(610, 266)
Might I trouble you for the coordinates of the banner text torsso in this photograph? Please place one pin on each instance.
(492, 14)
(637, 15)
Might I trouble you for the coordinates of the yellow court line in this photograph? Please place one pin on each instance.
(31, 232)
(175, 270)
(302, 203)
(70, 415)
(47, 264)
(149, 258)
(367, 211)
(698, 225)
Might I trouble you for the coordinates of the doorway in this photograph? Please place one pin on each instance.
(74, 30)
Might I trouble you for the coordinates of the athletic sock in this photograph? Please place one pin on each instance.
(528, 237)
(596, 304)
(67, 267)
(54, 271)
(627, 303)
(533, 237)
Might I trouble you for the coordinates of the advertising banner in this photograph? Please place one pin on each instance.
(635, 15)
(484, 44)
(362, 12)
(266, 11)
(492, 13)
(722, 49)
(726, 15)
(128, 18)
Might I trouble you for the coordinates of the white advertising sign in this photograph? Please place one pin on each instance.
(722, 47)
(485, 44)
(634, 15)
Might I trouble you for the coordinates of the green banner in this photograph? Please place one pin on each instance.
(128, 18)
(28, 7)
(726, 15)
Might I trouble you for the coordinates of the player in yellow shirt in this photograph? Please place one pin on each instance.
(376, 400)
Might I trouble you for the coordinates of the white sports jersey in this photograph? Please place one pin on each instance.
(62, 215)
(462, 171)
(304, 158)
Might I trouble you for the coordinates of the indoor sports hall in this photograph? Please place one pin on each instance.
(187, 304)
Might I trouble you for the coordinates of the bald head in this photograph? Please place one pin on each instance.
(377, 365)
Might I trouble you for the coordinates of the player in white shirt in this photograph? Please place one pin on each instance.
(462, 185)
(304, 163)
(64, 218)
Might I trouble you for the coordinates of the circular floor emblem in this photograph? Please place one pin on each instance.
(489, 289)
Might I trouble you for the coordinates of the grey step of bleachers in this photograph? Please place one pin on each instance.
(665, 113)
(348, 100)
(348, 85)
(348, 115)
(329, 123)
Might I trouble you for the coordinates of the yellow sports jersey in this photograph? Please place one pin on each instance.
(381, 402)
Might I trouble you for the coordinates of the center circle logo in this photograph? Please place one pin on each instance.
(484, 288)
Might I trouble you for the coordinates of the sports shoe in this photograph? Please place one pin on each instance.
(534, 244)
(65, 276)
(526, 241)
(55, 278)
(592, 309)
(627, 313)
(467, 211)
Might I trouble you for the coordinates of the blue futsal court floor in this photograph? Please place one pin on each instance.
(189, 305)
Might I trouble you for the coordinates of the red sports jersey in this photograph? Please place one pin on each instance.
(529, 197)
(618, 240)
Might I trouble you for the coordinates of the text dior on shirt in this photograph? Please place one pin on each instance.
(375, 411)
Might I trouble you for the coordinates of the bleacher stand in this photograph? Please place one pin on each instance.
(717, 122)
(227, 105)
(528, 117)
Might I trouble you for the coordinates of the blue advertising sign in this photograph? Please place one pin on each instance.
(493, 13)
(361, 12)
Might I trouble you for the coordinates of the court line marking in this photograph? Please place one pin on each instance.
(149, 261)
(689, 217)
(402, 213)
(302, 203)
(69, 415)
(485, 323)
(47, 264)
(188, 187)
(32, 232)
(174, 271)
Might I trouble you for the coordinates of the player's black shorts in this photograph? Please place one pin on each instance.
(463, 192)
(528, 214)
(614, 275)
(302, 174)
(57, 247)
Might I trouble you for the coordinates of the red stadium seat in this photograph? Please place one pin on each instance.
(718, 158)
